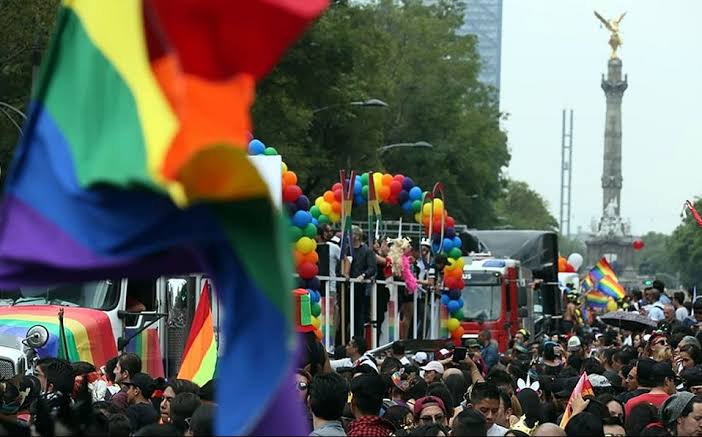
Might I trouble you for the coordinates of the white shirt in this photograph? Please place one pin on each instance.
(496, 430)
(334, 257)
(681, 313)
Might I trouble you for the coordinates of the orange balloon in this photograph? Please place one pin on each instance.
(329, 196)
(384, 192)
(312, 257)
(299, 257)
(318, 334)
(289, 178)
(336, 207)
(562, 264)
(387, 179)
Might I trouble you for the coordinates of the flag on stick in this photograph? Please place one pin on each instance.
(582, 388)
(200, 355)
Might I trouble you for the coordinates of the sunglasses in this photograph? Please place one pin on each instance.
(661, 343)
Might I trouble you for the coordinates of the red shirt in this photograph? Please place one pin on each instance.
(372, 426)
(656, 399)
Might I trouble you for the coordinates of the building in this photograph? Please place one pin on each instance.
(483, 18)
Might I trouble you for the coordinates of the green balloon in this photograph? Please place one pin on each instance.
(458, 314)
(323, 219)
(315, 211)
(364, 179)
(310, 230)
(455, 253)
(417, 205)
(270, 151)
(316, 309)
(364, 191)
(295, 233)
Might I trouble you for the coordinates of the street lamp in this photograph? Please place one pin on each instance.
(368, 103)
(415, 144)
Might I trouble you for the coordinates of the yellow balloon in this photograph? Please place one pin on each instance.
(426, 209)
(455, 264)
(418, 217)
(315, 322)
(318, 201)
(438, 207)
(325, 208)
(377, 181)
(611, 305)
(452, 324)
(284, 167)
(306, 245)
(334, 217)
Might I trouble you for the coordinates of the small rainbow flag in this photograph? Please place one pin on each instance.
(147, 345)
(611, 287)
(588, 284)
(200, 355)
(601, 270)
(582, 388)
(596, 298)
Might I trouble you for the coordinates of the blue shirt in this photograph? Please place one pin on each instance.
(490, 355)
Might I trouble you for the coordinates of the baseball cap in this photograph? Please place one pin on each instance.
(673, 407)
(692, 377)
(143, 382)
(599, 381)
(435, 366)
(421, 357)
(425, 401)
(567, 385)
(663, 370)
(574, 343)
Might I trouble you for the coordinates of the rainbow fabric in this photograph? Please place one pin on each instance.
(147, 345)
(88, 332)
(582, 388)
(200, 354)
(141, 108)
(601, 270)
(596, 298)
(611, 287)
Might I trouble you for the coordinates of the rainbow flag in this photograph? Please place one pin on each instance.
(588, 283)
(200, 354)
(148, 346)
(596, 298)
(133, 162)
(88, 332)
(601, 270)
(582, 388)
(611, 287)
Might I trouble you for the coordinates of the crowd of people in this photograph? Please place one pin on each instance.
(644, 381)
(118, 399)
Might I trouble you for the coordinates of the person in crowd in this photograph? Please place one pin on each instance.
(506, 411)
(552, 363)
(692, 380)
(433, 371)
(682, 414)
(207, 392)
(156, 429)
(439, 390)
(140, 411)
(182, 408)
(363, 266)
(485, 397)
(654, 309)
(663, 386)
(430, 429)
(457, 386)
(681, 312)
(355, 349)
(398, 351)
(689, 356)
(128, 364)
(669, 317)
(108, 371)
(575, 347)
(118, 425)
(400, 416)
(584, 425)
(367, 392)
(430, 409)
(174, 388)
(659, 286)
(202, 422)
(489, 349)
(469, 422)
(613, 427)
(640, 416)
(328, 394)
(614, 406)
(548, 430)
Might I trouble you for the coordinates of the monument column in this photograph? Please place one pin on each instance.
(614, 88)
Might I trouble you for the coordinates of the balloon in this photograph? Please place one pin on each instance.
(359, 200)
(450, 233)
(458, 314)
(455, 253)
(337, 186)
(289, 178)
(453, 305)
(450, 222)
(291, 193)
(452, 282)
(438, 206)
(314, 211)
(562, 264)
(299, 257)
(303, 202)
(395, 187)
(315, 221)
(456, 264)
(386, 179)
(357, 187)
(329, 196)
(407, 206)
(384, 192)
(334, 217)
(415, 193)
(310, 230)
(364, 191)
(399, 178)
(452, 324)
(457, 242)
(270, 151)
(445, 299)
(315, 309)
(301, 219)
(314, 296)
(457, 335)
(575, 260)
(313, 283)
(336, 207)
(295, 233)
(377, 180)
(283, 167)
(323, 219)
(312, 257)
(435, 247)
(307, 270)
(448, 245)
(638, 245)
(337, 195)
(291, 207)
(403, 196)
(569, 268)
(306, 245)
(316, 323)
(611, 305)
(416, 205)
(454, 293)
(426, 209)
(325, 208)
(256, 147)
(364, 178)
(417, 216)
(460, 303)
(318, 201)
(408, 183)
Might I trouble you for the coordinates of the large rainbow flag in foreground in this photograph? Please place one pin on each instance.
(133, 163)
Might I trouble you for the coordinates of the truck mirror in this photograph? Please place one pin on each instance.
(37, 336)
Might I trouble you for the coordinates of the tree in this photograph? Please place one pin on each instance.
(520, 207)
(568, 246)
(685, 250)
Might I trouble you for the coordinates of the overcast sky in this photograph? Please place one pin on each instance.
(553, 55)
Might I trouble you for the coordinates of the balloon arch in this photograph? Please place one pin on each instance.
(370, 189)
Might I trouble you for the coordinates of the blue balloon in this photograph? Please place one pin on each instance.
(453, 305)
(407, 184)
(256, 147)
(445, 299)
(357, 186)
(450, 233)
(313, 283)
(359, 200)
(302, 219)
(314, 296)
(457, 242)
(435, 247)
(448, 245)
(407, 206)
(415, 193)
(291, 207)
(315, 221)
(460, 303)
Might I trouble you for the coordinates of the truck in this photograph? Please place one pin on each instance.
(100, 319)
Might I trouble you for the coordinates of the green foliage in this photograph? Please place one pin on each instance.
(568, 246)
(685, 250)
(25, 26)
(408, 55)
(520, 207)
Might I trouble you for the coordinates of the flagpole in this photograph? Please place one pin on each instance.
(64, 342)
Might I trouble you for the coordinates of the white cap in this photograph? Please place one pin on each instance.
(405, 361)
(574, 342)
(425, 242)
(435, 366)
(599, 381)
(421, 357)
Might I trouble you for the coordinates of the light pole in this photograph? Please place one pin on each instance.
(421, 144)
(368, 103)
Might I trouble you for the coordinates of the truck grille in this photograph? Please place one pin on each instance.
(7, 369)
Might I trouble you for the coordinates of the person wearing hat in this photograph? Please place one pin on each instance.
(433, 371)
(692, 379)
(420, 358)
(682, 414)
(430, 409)
(663, 383)
(141, 411)
(575, 346)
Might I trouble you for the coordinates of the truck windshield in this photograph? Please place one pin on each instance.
(482, 296)
(99, 295)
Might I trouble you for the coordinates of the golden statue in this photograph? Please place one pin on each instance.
(613, 26)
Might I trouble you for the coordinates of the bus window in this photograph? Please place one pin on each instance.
(141, 295)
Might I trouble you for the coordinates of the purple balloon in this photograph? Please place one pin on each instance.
(450, 233)
(402, 197)
(407, 184)
(302, 203)
(313, 283)
(291, 207)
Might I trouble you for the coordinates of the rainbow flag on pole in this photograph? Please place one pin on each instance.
(611, 287)
(602, 278)
(582, 388)
(601, 270)
(596, 298)
(200, 355)
(133, 162)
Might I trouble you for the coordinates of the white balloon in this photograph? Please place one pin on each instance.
(575, 260)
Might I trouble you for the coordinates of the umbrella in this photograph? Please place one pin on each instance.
(631, 321)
